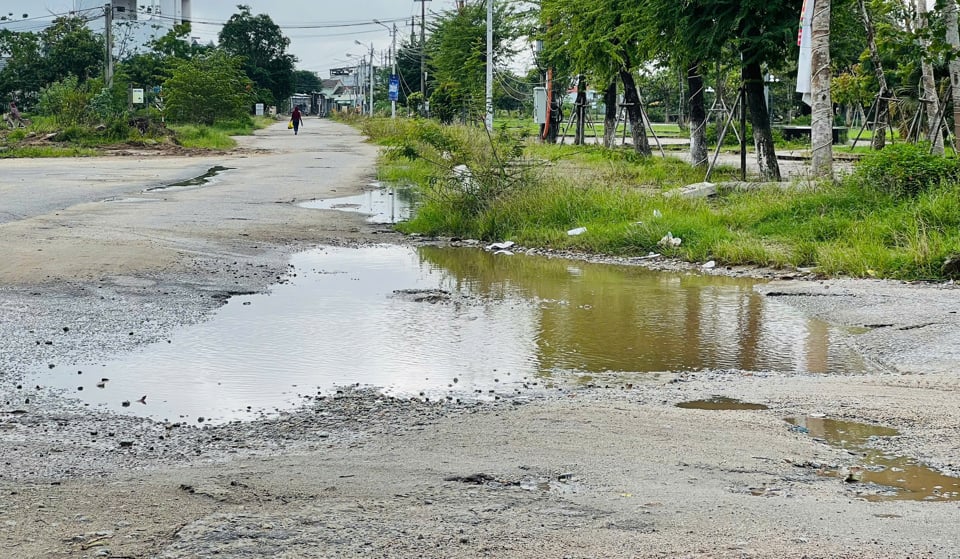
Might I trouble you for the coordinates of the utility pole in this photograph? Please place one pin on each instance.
(371, 79)
(489, 100)
(393, 58)
(108, 39)
(423, 51)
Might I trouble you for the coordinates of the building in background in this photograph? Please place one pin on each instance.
(166, 13)
(137, 22)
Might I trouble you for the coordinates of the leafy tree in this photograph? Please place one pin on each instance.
(263, 48)
(65, 48)
(457, 49)
(69, 47)
(408, 68)
(176, 43)
(208, 88)
(23, 75)
(601, 40)
(305, 81)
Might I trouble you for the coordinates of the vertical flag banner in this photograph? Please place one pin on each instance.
(394, 88)
(804, 39)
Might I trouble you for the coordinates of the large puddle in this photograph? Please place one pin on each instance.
(459, 322)
(880, 476)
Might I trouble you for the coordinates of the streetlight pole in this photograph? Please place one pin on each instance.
(371, 73)
(393, 58)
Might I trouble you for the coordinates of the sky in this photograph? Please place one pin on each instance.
(322, 32)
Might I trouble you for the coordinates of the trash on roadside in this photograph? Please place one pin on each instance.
(577, 231)
(657, 214)
(669, 240)
(709, 265)
(501, 246)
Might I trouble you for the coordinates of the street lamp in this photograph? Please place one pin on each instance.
(371, 74)
(393, 72)
(358, 80)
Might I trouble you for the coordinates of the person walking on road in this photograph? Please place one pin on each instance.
(297, 119)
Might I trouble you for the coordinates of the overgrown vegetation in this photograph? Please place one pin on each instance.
(536, 193)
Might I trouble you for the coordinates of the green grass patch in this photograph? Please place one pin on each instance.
(521, 190)
(46, 151)
(196, 136)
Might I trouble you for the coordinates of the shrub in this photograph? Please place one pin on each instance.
(208, 89)
(67, 101)
(904, 170)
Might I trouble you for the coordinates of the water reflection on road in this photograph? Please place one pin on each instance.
(431, 320)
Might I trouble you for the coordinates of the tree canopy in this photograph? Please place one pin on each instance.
(262, 47)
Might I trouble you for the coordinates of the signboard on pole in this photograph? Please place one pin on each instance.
(804, 40)
(394, 87)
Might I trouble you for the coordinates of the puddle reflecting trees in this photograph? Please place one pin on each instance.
(604, 318)
(503, 324)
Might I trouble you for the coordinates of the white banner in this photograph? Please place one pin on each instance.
(804, 39)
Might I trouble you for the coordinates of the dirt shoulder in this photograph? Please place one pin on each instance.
(605, 471)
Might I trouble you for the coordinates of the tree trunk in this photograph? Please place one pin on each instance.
(581, 109)
(698, 117)
(953, 39)
(610, 114)
(638, 130)
(752, 75)
(931, 101)
(883, 104)
(821, 129)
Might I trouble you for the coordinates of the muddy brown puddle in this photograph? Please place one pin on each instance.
(880, 476)
(440, 321)
(721, 403)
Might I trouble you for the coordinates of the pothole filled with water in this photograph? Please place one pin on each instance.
(382, 204)
(439, 321)
(194, 182)
(879, 476)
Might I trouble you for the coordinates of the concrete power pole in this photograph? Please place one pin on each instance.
(371, 79)
(489, 100)
(108, 39)
(423, 52)
(393, 59)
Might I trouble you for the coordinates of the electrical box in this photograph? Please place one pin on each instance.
(136, 96)
(540, 105)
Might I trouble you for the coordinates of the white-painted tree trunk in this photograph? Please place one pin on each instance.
(931, 100)
(821, 132)
(953, 39)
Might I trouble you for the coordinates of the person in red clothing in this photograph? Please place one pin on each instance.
(297, 119)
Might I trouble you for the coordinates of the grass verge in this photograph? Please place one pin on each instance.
(502, 188)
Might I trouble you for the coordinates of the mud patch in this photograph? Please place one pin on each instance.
(195, 182)
(720, 403)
